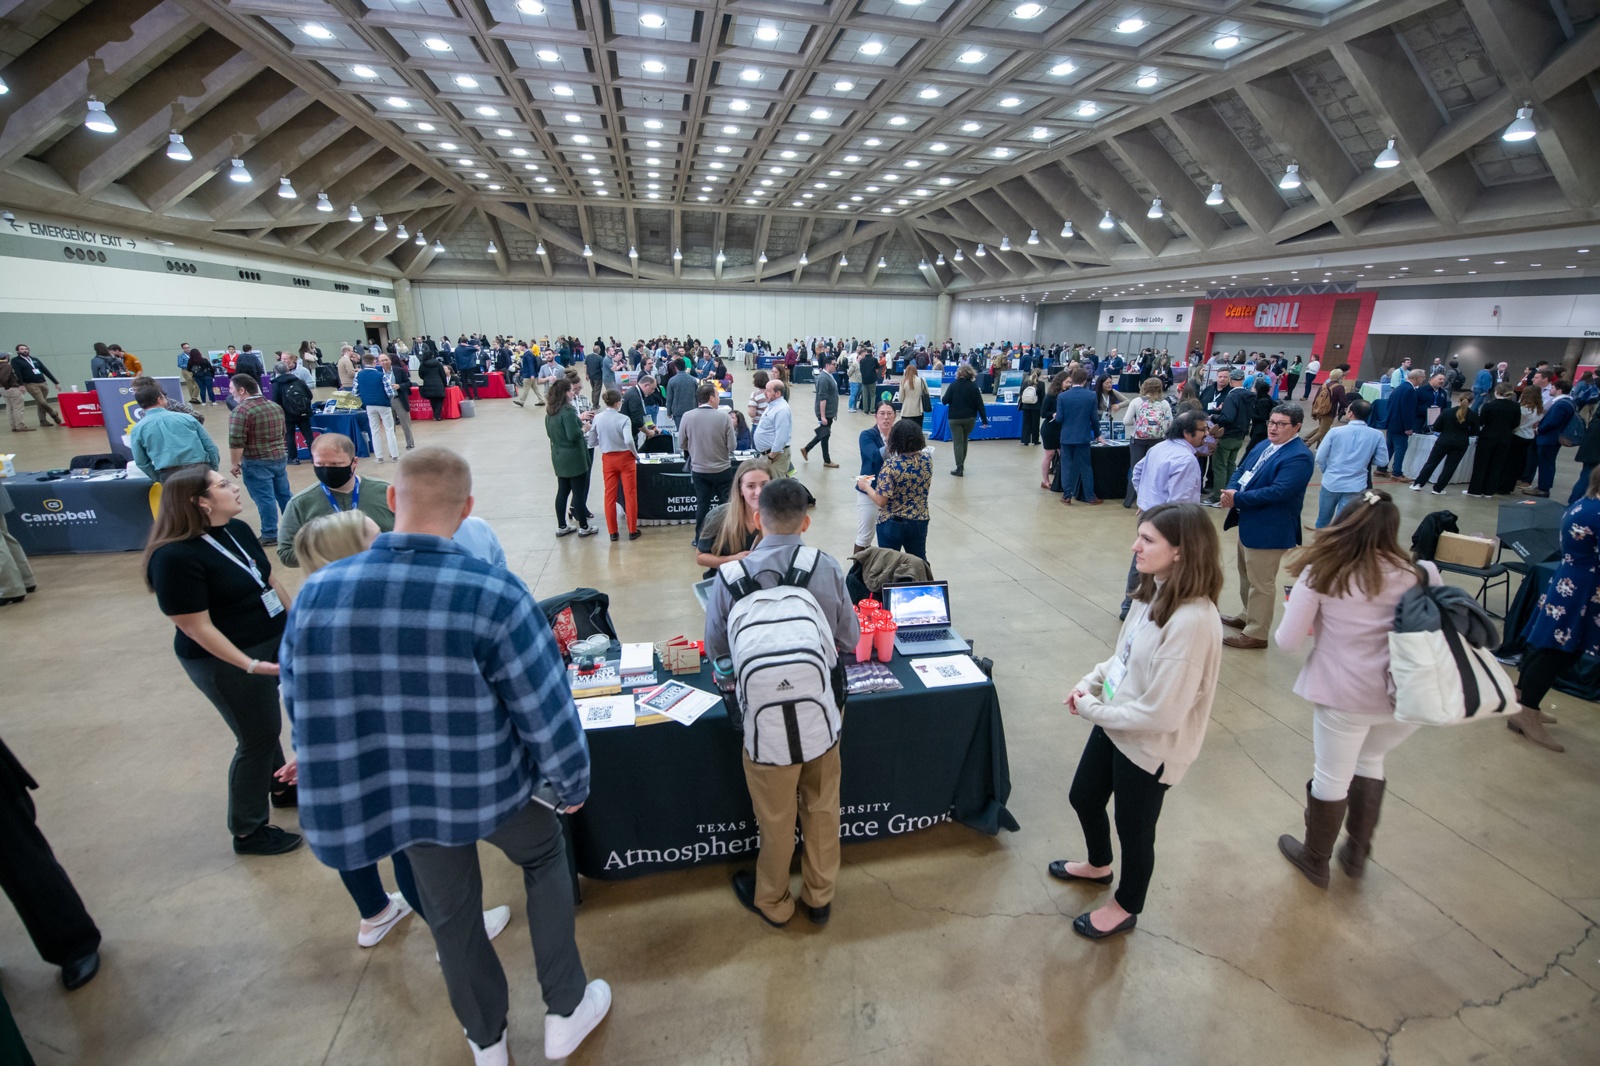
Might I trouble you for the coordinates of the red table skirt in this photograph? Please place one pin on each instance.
(494, 387)
(80, 408)
(422, 410)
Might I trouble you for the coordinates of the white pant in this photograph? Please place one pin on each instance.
(1348, 746)
(381, 419)
(866, 519)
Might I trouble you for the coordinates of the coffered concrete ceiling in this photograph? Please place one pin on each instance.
(716, 144)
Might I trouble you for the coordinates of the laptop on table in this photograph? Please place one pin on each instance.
(921, 613)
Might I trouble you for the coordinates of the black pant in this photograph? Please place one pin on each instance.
(1490, 467)
(248, 704)
(1104, 772)
(821, 437)
(1540, 668)
(712, 489)
(469, 384)
(577, 488)
(1448, 454)
(1521, 454)
(1030, 425)
(39, 888)
(438, 408)
(1137, 448)
(290, 424)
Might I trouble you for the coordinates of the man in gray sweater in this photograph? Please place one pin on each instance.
(827, 408)
(706, 434)
(680, 395)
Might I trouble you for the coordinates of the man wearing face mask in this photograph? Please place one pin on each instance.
(338, 488)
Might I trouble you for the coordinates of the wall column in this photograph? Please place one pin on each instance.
(405, 309)
(941, 319)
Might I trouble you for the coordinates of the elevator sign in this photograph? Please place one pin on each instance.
(1284, 315)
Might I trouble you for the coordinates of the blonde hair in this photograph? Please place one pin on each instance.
(1152, 389)
(329, 538)
(738, 518)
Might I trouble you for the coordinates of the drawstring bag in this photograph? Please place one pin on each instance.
(1440, 660)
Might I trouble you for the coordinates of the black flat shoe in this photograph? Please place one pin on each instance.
(1085, 928)
(818, 915)
(76, 974)
(1058, 870)
(268, 840)
(744, 887)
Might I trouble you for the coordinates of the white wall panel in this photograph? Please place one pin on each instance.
(1519, 316)
(973, 323)
(628, 314)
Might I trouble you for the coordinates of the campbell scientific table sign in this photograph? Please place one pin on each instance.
(120, 412)
(70, 515)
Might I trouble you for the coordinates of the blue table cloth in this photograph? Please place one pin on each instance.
(352, 424)
(1005, 423)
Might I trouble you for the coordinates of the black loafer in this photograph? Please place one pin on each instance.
(818, 915)
(1058, 870)
(80, 972)
(744, 887)
(1085, 928)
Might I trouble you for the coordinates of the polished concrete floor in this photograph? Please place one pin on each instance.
(1472, 939)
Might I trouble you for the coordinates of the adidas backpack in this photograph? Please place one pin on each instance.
(783, 663)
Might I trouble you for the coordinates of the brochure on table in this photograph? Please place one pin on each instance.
(945, 671)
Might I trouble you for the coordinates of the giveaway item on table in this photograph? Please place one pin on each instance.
(639, 658)
(606, 712)
(869, 677)
(947, 670)
(878, 628)
(602, 680)
(680, 702)
(589, 652)
(680, 655)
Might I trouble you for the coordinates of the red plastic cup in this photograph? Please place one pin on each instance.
(884, 638)
(864, 645)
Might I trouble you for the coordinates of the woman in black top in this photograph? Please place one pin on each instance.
(1049, 428)
(1261, 406)
(1454, 429)
(431, 371)
(965, 405)
(214, 582)
(1498, 420)
(1030, 411)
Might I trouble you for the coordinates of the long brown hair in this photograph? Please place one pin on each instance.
(180, 517)
(1536, 396)
(1198, 571)
(1357, 550)
(556, 398)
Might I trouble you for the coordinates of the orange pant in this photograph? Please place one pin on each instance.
(621, 468)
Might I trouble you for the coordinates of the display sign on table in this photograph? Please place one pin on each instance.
(120, 412)
(80, 409)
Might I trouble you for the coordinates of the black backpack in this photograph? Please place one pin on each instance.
(578, 615)
(1425, 541)
(293, 396)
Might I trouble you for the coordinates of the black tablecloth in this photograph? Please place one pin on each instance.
(1583, 679)
(666, 492)
(1110, 465)
(71, 515)
(667, 796)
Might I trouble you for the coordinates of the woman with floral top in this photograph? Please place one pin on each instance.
(901, 491)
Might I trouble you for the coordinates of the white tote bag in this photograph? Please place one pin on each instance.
(1441, 679)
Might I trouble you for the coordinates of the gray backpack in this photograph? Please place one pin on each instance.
(784, 661)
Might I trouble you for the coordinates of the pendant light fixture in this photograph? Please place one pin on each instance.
(1521, 128)
(1155, 209)
(421, 241)
(1291, 177)
(438, 247)
(176, 149)
(677, 255)
(938, 260)
(883, 261)
(286, 190)
(379, 225)
(633, 253)
(720, 257)
(1005, 243)
(238, 173)
(323, 204)
(587, 252)
(400, 232)
(97, 119)
(1108, 222)
(762, 258)
(491, 249)
(1033, 236)
(980, 253)
(958, 257)
(843, 261)
(1066, 229)
(1388, 158)
(804, 259)
(538, 248)
(1214, 197)
(354, 215)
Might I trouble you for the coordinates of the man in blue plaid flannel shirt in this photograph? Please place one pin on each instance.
(429, 699)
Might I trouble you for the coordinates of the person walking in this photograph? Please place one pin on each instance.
(256, 444)
(1149, 705)
(1558, 415)
(1265, 497)
(1499, 418)
(213, 581)
(964, 406)
(1346, 457)
(528, 373)
(33, 374)
(1079, 429)
(1329, 406)
(619, 462)
(826, 408)
(707, 435)
(479, 682)
(569, 456)
(1147, 418)
(1454, 429)
(1348, 581)
(376, 391)
(164, 442)
(901, 491)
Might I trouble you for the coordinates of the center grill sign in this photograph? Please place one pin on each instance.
(1267, 315)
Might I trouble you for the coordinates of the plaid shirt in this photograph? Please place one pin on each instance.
(256, 425)
(427, 696)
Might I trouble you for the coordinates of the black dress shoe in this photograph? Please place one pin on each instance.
(744, 887)
(1058, 870)
(818, 915)
(268, 840)
(80, 972)
(1085, 928)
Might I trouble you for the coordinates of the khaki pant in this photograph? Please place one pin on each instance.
(779, 793)
(15, 399)
(781, 466)
(16, 578)
(525, 387)
(1324, 423)
(47, 408)
(191, 391)
(1258, 588)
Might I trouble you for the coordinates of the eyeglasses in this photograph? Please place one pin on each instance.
(1281, 423)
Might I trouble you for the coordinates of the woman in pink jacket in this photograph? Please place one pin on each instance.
(1348, 581)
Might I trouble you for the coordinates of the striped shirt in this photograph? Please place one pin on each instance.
(428, 698)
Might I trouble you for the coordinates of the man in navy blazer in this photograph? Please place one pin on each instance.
(1400, 422)
(1079, 416)
(1558, 415)
(1265, 497)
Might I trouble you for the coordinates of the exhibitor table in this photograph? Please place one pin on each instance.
(1005, 423)
(1109, 462)
(493, 387)
(71, 515)
(667, 797)
(666, 492)
(353, 424)
(80, 409)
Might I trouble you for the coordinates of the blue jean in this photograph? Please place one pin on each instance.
(267, 481)
(1329, 504)
(909, 535)
(1582, 485)
(204, 385)
(855, 395)
(1547, 462)
(1076, 471)
(1398, 442)
(366, 887)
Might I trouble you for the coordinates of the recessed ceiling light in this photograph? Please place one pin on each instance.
(652, 123)
(580, 138)
(715, 165)
(503, 133)
(872, 142)
(594, 170)
(438, 44)
(1499, 262)
(425, 127)
(398, 101)
(1147, 81)
(653, 66)
(766, 182)
(947, 181)
(938, 146)
(802, 136)
(587, 157)
(766, 33)
(547, 55)
(1041, 133)
(1028, 11)
(651, 20)
(486, 111)
(774, 170)
(891, 177)
(1536, 264)
(464, 162)
(318, 31)
(971, 55)
(928, 93)
(561, 90)
(873, 188)
(971, 127)
(447, 146)
(466, 81)
(1011, 101)
(723, 149)
(530, 7)
(703, 199)
(856, 198)
(1066, 66)
(750, 74)
(1087, 109)
(897, 120)
(871, 48)
(738, 105)
(1225, 42)
(1001, 152)
(835, 173)
(731, 131)
(820, 113)
(361, 71)
(913, 163)
(652, 144)
(573, 116)
(1130, 25)
(653, 161)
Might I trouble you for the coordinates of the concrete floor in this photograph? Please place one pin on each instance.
(1472, 939)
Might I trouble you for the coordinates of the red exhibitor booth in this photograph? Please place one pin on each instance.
(1331, 326)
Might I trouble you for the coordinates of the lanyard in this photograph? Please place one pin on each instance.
(1127, 645)
(248, 565)
(355, 497)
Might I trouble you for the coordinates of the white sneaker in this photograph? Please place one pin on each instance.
(495, 920)
(496, 1054)
(377, 928)
(563, 1035)
(1414, 488)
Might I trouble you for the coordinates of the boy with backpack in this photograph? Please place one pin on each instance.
(783, 614)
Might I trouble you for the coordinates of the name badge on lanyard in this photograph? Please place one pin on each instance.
(1119, 666)
(269, 595)
(355, 497)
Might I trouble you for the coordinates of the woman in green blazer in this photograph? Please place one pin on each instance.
(569, 454)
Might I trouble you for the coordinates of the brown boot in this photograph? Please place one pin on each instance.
(1322, 831)
(1366, 800)
(1527, 722)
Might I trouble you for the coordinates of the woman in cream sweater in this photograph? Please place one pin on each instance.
(914, 400)
(1149, 703)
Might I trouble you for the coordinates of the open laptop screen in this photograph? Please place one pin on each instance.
(918, 605)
